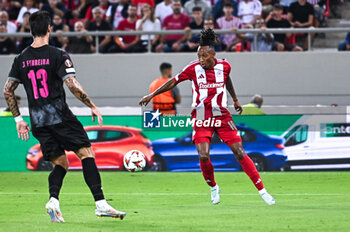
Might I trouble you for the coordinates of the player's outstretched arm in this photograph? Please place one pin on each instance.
(9, 94)
(171, 83)
(231, 90)
(78, 91)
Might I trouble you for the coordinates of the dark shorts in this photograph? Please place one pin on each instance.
(287, 47)
(55, 139)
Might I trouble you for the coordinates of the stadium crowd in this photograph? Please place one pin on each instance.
(156, 15)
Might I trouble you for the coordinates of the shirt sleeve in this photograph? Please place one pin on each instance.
(175, 92)
(257, 8)
(109, 11)
(218, 22)
(348, 38)
(165, 21)
(240, 13)
(14, 72)
(185, 74)
(311, 10)
(138, 22)
(157, 26)
(227, 68)
(65, 67)
(120, 26)
(157, 11)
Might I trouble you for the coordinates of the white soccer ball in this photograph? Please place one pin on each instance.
(134, 161)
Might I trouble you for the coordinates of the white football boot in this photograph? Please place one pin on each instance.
(103, 209)
(215, 194)
(53, 209)
(267, 197)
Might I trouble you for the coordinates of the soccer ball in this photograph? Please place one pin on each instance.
(134, 161)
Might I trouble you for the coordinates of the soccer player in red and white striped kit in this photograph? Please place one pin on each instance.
(210, 81)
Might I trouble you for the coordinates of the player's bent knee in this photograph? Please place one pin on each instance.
(238, 151)
(203, 156)
(85, 152)
(62, 161)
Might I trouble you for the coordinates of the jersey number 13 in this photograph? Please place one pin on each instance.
(41, 74)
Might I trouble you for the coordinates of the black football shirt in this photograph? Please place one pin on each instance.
(42, 72)
(283, 23)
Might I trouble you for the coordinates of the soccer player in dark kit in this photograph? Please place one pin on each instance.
(210, 80)
(42, 69)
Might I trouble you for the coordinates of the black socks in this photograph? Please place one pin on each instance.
(92, 178)
(55, 180)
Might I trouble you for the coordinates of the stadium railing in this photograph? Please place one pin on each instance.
(255, 32)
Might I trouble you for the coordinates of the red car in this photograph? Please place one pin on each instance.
(110, 143)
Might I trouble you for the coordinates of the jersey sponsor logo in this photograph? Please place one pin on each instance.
(68, 63)
(70, 70)
(210, 85)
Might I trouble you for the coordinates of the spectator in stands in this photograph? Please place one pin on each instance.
(175, 21)
(24, 27)
(7, 45)
(12, 7)
(286, 4)
(103, 4)
(345, 46)
(334, 7)
(318, 11)
(196, 24)
(206, 8)
(79, 44)
(228, 21)
(209, 23)
(267, 7)
(254, 107)
(28, 6)
(54, 7)
(301, 15)
(249, 11)
(148, 23)
(275, 20)
(163, 9)
(117, 12)
(59, 27)
(264, 40)
(75, 11)
(100, 24)
(4, 19)
(166, 101)
(129, 43)
(218, 9)
(139, 4)
(7, 112)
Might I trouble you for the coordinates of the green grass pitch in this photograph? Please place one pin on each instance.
(306, 201)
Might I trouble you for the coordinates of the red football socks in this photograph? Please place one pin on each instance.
(249, 168)
(208, 172)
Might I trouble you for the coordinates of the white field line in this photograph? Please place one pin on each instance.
(180, 194)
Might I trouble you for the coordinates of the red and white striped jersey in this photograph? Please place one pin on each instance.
(208, 88)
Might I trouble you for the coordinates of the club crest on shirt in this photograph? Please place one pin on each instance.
(68, 63)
